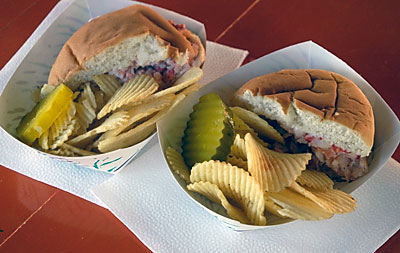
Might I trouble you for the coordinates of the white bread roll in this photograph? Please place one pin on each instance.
(136, 34)
(318, 104)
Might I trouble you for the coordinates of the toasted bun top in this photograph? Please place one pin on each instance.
(109, 30)
(324, 93)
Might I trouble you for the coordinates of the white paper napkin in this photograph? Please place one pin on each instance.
(69, 177)
(148, 201)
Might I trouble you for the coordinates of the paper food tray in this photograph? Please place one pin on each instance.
(307, 55)
(16, 97)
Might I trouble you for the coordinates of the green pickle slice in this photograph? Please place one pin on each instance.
(209, 132)
(43, 115)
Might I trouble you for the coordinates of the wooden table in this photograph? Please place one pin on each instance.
(365, 34)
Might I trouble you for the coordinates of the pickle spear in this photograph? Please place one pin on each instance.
(43, 115)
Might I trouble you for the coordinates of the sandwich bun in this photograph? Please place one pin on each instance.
(316, 102)
(114, 41)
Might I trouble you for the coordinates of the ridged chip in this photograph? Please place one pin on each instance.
(237, 161)
(192, 88)
(273, 170)
(76, 150)
(340, 202)
(85, 115)
(100, 99)
(62, 152)
(258, 124)
(132, 91)
(44, 140)
(136, 134)
(236, 184)
(60, 130)
(271, 207)
(115, 120)
(241, 127)
(315, 179)
(192, 76)
(127, 139)
(296, 206)
(213, 193)
(139, 112)
(238, 148)
(331, 200)
(87, 94)
(177, 164)
(62, 127)
(107, 83)
(64, 135)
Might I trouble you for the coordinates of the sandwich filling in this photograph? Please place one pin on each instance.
(344, 163)
(335, 161)
(164, 72)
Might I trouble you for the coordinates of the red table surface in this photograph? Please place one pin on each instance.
(365, 34)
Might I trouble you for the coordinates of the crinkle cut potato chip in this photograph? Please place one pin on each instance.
(258, 124)
(191, 89)
(129, 138)
(273, 170)
(115, 120)
(87, 94)
(100, 98)
(236, 184)
(107, 83)
(85, 115)
(241, 127)
(44, 141)
(62, 152)
(213, 193)
(331, 200)
(60, 130)
(325, 205)
(139, 112)
(132, 91)
(175, 160)
(237, 161)
(315, 179)
(238, 148)
(338, 201)
(64, 135)
(68, 150)
(190, 77)
(63, 127)
(271, 207)
(137, 133)
(296, 206)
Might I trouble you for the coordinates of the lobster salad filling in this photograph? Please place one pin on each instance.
(165, 72)
(338, 163)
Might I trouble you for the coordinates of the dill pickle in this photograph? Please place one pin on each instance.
(209, 132)
(43, 115)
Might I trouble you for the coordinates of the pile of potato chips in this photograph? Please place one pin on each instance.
(105, 115)
(255, 182)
